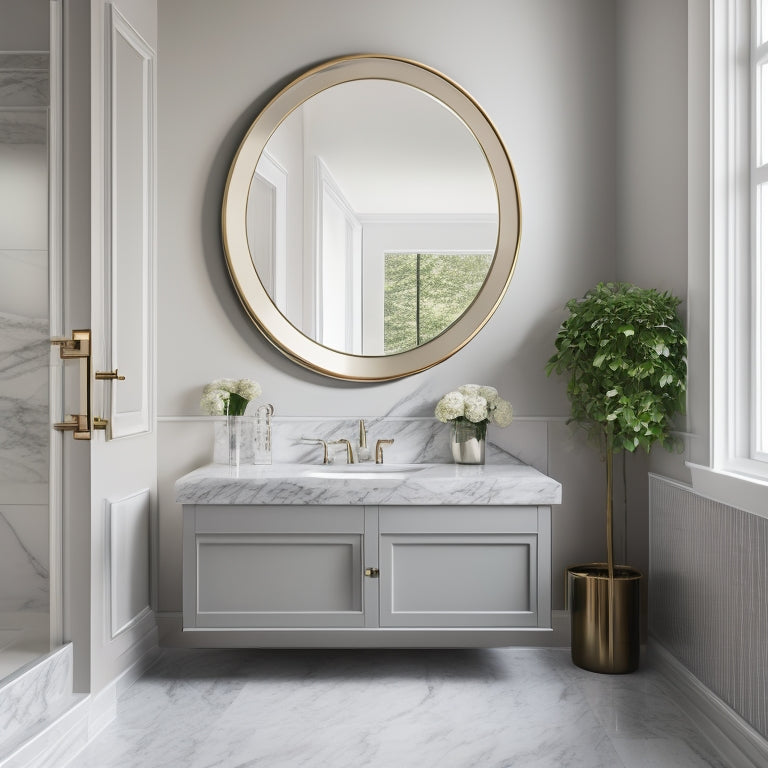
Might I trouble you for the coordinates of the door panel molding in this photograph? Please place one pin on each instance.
(129, 225)
(127, 550)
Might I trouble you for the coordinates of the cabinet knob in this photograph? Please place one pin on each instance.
(372, 573)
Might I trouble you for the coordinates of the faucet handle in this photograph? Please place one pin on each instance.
(348, 446)
(318, 441)
(380, 450)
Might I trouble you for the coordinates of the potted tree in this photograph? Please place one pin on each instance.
(623, 349)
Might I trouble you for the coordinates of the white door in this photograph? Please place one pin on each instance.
(110, 486)
(123, 457)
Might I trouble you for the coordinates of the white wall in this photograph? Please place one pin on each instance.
(544, 73)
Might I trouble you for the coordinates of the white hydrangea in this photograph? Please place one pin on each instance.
(450, 406)
(475, 408)
(214, 401)
(216, 395)
(476, 403)
(490, 394)
(502, 413)
(246, 388)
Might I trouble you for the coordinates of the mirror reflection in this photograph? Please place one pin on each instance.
(372, 217)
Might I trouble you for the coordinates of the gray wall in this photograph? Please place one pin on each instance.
(544, 72)
(24, 25)
(652, 199)
(707, 579)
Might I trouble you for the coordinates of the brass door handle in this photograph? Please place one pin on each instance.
(108, 376)
(78, 348)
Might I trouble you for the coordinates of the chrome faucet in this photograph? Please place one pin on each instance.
(380, 450)
(348, 445)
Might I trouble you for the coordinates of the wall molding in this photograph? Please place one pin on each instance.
(116, 619)
(736, 741)
(126, 422)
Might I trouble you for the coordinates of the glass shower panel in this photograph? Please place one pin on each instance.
(24, 358)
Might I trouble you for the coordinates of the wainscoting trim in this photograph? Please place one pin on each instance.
(736, 741)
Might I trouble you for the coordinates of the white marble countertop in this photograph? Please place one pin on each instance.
(503, 483)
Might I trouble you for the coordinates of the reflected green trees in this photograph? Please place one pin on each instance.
(424, 293)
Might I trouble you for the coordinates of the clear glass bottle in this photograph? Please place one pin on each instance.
(262, 434)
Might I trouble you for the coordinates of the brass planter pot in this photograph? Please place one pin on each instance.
(605, 632)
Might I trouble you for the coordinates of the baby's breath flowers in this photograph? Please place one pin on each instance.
(476, 404)
(229, 396)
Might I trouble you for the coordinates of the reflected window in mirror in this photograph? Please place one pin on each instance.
(425, 293)
(360, 157)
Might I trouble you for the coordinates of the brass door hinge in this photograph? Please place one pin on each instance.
(372, 573)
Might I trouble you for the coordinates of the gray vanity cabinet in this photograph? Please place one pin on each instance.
(464, 566)
(273, 566)
(392, 569)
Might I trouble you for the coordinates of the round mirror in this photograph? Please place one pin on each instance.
(371, 219)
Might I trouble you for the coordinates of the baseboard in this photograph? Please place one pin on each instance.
(103, 708)
(736, 741)
(172, 635)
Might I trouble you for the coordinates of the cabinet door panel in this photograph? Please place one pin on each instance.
(458, 580)
(286, 580)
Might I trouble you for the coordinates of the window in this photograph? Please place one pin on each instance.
(759, 265)
(728, 44)
(424, 293)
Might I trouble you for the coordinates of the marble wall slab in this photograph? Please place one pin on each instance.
(24, 80)
(24, 126)
(24, 422)
(24, 339)
(23, 558)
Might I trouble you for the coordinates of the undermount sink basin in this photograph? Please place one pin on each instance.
(363, 471)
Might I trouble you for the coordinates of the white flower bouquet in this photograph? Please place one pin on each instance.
(229, 397)
(475, 404)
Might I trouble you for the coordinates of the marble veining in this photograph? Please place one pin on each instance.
(24, 88)
(455, 709)
(35, 60)
(24, 126)
(418, 440)
(24, 558)
(31, 694)
(504, 483)
(24, 424)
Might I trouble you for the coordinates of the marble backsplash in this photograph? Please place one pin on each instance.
(417, 440)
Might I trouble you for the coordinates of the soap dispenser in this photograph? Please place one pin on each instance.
(363, 452)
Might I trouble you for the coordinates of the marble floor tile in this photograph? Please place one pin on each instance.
(454, 709)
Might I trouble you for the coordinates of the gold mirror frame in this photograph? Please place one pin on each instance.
(255, 299)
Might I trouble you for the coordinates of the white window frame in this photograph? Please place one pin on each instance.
(759, 250)
(737, 474)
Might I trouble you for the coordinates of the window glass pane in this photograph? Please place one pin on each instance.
(761, 320)
(761, 112)
(424, 293)
(762, 21)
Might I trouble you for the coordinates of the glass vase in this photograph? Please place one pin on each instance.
(468, 441)
(237, 438)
